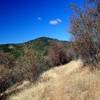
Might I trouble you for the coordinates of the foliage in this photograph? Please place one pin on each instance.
(7, 62)
(85, 28)
(12, 49)
(25, 61)
(57, 55)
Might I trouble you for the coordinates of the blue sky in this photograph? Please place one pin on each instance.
(23, 20)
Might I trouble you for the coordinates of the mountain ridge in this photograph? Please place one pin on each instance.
(31, 40)
(40, 44)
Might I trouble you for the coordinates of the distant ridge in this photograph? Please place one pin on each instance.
(39, 45)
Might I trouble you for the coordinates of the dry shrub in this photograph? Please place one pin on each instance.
(3, 78)
(6, 63)
(57, 55)
(27, 64)
(85, 28)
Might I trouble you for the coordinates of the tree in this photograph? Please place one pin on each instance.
(57, 54)
(85, 28)
(27, 64)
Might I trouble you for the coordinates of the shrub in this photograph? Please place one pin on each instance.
(7, 62)
(57, 55)
(85, 28)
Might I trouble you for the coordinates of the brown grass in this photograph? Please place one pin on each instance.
(68, 82)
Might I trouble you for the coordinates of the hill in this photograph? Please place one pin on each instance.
(39, 45)
(27, 60)
(67, 82)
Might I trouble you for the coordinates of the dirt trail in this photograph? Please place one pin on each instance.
(62, 74)
(51, 85)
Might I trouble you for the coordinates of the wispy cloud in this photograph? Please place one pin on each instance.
(55, 21)
(39, 18)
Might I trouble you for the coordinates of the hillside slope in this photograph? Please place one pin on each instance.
(68, 82)
(50, 84)
(27, 60)
(39, 45)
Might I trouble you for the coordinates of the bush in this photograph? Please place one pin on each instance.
(7, 62)
(57, 55)
(85, 28)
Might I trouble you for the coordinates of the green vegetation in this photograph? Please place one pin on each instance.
(27, 61)
(40, 47)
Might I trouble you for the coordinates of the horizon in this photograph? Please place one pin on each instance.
(25, 20)
(33, 40)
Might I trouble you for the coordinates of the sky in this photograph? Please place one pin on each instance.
(24, 20)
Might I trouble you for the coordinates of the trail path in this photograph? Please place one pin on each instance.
(62, 74)
(51, 85)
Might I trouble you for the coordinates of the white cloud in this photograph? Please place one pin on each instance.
(55, 21)
(39, 18)
(59, 20)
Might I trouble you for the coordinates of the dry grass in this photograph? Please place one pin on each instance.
(68, 82)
